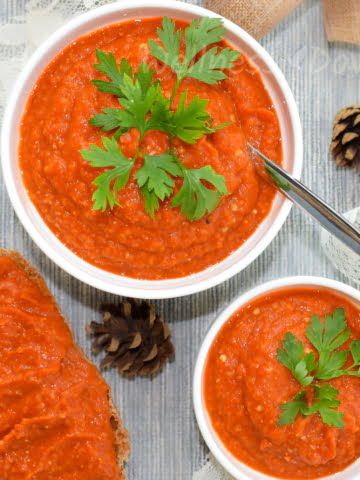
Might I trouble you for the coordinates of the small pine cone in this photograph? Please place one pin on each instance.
(345, 145)
(136, 340)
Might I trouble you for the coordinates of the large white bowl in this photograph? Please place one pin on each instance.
(237, 469)
(47, 241)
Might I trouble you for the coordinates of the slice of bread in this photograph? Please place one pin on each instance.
(120, 435)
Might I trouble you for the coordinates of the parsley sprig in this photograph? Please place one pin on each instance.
(112, 181)
(325, 403)
(143, 106)
(326, 337)
(155, 179)
(194, 198)
(137, 94)
(293, 357)
(199, 35)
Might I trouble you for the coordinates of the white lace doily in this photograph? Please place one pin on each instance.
(211, 470)
(23, 34)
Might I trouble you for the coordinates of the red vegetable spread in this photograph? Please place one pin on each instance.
(54, 408)
(126, 240)
(244, 384)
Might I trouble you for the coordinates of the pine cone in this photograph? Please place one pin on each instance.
(136, 340)
(345, 145)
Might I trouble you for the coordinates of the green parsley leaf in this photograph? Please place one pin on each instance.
(330, 335)
(301, 372)
(198, 35)
(326, 338)
(112, 181)
(137, 95)
(161, 115)
(326, 404)
(109, 120)
(107, 65)
(190, 122)
(292, 409)
(137, 103)
(292, 356)
(155, 181)
(144, 77)
(355, 352)
(292, 353)
(187, 122)
(330, 364)
(152, 203)
(333, 369)
(336, 332)
(201, 33)
(209, 68)
(195, 198)
(169, 52)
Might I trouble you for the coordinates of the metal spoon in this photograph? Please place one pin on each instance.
(333, 222)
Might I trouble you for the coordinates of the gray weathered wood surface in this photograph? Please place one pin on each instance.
(166, 444)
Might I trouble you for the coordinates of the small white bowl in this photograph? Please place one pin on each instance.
(238, 469)
(48, 242)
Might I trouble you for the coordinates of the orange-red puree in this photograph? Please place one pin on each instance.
(244, 384)
(126, 240)
(55, 420)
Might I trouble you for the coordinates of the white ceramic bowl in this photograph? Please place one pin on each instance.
(46, 240)
(237, 469)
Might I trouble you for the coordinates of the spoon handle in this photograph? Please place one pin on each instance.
(334, 223)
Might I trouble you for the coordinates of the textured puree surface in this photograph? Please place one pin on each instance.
(125, 240)
(244, 384)
(55, 418)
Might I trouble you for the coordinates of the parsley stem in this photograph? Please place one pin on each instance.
(171, 145)
(137, 151)
(175, 90)
(351, 368)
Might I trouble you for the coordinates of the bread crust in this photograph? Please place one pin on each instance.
(122, 442)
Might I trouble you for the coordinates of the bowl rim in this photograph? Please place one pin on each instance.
(245, 472)
(78, 269)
